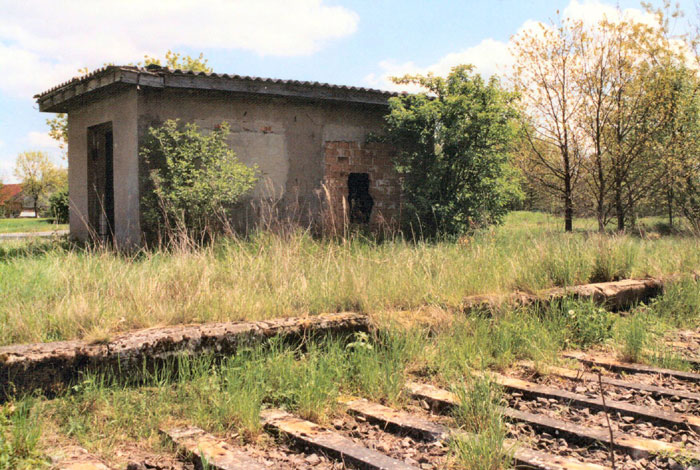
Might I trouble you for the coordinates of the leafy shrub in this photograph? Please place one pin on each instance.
(195, 178)
(59, 205)
(453, 151)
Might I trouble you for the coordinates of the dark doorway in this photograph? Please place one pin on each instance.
(359, 198)
(101, 181)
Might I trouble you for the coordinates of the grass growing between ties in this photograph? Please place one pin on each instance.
(482, 444)
(413, 291)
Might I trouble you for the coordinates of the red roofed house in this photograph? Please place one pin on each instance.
(11, 200)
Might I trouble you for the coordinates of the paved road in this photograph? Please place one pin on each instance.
(24, 235)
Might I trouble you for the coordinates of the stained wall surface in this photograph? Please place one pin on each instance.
(121, 110)
(287, 138)
(284, 137)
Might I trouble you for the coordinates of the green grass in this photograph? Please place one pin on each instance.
(55, 291)
(105, 413)
(483, 445)
(30, 225)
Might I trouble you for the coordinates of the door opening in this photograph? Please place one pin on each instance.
(101, 181)
(359, 199)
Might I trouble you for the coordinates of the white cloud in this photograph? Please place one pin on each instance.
(41, 140)
(592, 11)
(488, 57)
(43, 42)
(491, 56)
(7, 166)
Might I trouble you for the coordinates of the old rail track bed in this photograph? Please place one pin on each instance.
(545, 431)
(555, 416)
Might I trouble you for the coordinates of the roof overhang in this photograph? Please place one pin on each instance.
(111, 78)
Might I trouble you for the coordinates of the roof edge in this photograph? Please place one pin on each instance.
(57, 98)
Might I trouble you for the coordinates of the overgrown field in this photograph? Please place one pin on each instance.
(117, 416)
(53, 291)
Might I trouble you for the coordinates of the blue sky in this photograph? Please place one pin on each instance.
(44, 42)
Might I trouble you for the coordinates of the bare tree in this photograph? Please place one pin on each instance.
(545, 77)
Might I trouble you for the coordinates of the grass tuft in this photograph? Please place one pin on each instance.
(483, 444)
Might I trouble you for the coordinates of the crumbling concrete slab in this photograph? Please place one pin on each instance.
(616, 295)
(50, 366)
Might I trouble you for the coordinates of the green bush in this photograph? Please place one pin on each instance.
(453, 147)
(195, 179)
(59, 206)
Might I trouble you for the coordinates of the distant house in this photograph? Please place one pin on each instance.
(13, 202)
(309, 139)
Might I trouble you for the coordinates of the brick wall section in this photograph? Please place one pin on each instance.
(376, 159)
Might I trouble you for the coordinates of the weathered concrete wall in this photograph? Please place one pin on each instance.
(343, 158)
(285, 137)
(121, 110)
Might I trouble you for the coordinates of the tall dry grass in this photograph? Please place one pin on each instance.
(55, 291)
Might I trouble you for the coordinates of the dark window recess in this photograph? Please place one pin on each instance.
(101, 181)
(358, 196)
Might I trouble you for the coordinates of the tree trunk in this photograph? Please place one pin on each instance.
(619, 208)
(669, 199)
(568, 205)
(630, 210)
(36, 207)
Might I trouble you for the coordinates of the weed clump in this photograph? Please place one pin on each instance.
(482, 446)
(19, 435)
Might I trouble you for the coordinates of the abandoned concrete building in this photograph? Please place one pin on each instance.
(309, 140)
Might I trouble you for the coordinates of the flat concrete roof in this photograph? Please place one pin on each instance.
(74, 92)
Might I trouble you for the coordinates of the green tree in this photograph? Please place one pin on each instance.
(453, 146)
(38, 174)
(196, 179)
(680, 156)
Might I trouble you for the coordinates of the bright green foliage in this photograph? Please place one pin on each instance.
(453, 144)
(196, 178)
(59, 203)
(39, 176)
(379, 367)
(587, 324)
(175, 60)
(680, 155)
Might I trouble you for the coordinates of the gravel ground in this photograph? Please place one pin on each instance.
(597, 454)
(423, 455)
(279, 455)
(613, 392)
(652, 379)
(591, 418)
